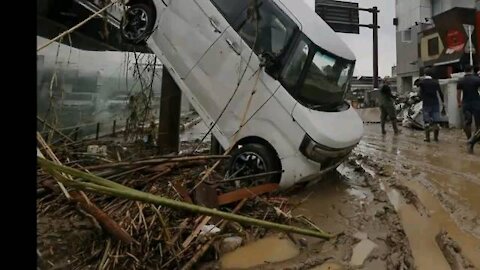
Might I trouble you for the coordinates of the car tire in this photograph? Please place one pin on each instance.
(137, 23)
(251, 159)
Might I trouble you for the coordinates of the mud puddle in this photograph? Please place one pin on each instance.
(270, 249)
(347, 203)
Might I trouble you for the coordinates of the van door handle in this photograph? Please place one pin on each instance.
(233, 45)
(214, 23)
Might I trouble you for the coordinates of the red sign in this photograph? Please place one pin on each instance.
(455, 40)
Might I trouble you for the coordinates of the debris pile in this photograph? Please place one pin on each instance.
(89, 230)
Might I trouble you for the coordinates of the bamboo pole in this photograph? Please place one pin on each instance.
(76, 26)
(54, 129)
(79, 197)
(106, 187)
(198, 255)
(156, 161)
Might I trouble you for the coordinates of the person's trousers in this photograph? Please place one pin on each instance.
(387, 111)
(471, 112)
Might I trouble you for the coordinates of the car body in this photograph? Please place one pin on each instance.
(278, 81)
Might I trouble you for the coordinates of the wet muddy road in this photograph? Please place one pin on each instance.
(445, 182)
(387, 204)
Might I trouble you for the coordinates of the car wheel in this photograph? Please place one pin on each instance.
(137, 23)
(252, 159)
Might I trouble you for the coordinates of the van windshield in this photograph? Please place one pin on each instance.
(326, 80)
(320, 79)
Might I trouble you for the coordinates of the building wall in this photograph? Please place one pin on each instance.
(411, 14)
(407, 52)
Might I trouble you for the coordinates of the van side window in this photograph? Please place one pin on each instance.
(293, 70)
(275, 29)
(230, 9)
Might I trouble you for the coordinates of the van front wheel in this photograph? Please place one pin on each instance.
(137, 23)
(253, 159)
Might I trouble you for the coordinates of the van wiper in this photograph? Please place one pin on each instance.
(324, 106)
(316, 107)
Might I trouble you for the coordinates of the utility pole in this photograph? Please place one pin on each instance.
(336, 19)
(477, 27)
(375, 47)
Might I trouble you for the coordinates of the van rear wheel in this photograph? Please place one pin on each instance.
(137, 23)
(252, 159)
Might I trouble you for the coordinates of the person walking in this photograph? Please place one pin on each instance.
(387, 107)
(474, 140)
(468, 100)
(429, 92)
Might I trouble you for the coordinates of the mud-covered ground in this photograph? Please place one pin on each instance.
(433, 186)
(388, 205)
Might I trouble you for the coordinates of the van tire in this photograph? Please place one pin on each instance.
(143, 20)
(258, 159)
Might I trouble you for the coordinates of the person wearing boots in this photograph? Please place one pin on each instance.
(429, 93)
(387, 107)
(474, 140)
(468, 100)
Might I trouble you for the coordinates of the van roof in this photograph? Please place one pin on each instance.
(316, 29)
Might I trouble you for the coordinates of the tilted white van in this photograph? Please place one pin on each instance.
(275, 59)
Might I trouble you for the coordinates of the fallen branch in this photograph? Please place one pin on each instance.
(102, 186)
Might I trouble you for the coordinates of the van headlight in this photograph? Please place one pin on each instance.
(320, 153)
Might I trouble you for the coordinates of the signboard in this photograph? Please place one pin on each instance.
(453, 29)
(341, 16)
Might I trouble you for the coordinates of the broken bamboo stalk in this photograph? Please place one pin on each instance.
(79, 197)
(247, 177)
(55, 129)
(50, 153)
(156, 161)
(76, 26)
(199, 254)
(102, 186)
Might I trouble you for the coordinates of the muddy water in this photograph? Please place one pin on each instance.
(269, 249)
(447, 182)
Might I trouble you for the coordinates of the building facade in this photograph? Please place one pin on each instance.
(423, 36)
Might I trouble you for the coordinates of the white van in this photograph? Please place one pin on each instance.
(298, 121)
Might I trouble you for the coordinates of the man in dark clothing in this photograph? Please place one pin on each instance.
(470, 103)
(429, 92)
(387, 107)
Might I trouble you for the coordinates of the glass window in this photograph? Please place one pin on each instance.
(267, 30)
(326, 80)
(433, 47)
(437, 7)
(294, 68)
(407, 35)
(231, 9)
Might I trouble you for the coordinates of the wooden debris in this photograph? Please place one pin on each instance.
(196, 232)
(159, 229)
(244, 193)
